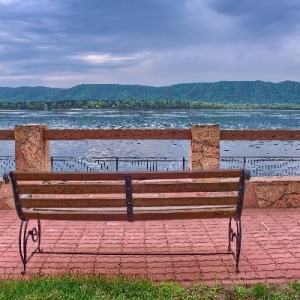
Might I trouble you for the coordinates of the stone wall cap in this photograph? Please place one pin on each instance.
(204, 125)
(26, 125)
(275, 179)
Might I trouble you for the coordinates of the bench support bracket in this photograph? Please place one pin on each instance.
(129, 200)
(237, 236)
(24, 235)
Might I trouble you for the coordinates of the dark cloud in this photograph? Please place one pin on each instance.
(262, 18)
(68, 42)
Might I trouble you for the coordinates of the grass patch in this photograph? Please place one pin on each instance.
(95, 287)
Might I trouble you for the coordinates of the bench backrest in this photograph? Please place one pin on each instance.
(129, 195)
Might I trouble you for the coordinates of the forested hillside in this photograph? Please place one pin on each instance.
(187, 95)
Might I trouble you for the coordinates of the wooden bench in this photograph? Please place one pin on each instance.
(127, 196)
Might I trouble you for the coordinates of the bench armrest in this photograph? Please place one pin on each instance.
(6, 178)
(247, 174)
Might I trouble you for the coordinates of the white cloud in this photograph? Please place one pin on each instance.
(108, 58)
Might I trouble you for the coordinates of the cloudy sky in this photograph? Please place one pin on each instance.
(62, 43)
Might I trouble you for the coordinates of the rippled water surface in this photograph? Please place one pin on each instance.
(227, 119)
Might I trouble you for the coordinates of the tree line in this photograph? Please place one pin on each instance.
(139, 104)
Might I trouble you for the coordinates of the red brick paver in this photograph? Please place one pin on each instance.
(270, 249)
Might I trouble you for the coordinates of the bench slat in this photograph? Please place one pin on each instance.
(87, 176)
(120, 202)
(73, 202)
(84, 188)
(185, 187)
(157, 187)
(74, 217)
(139, 215)
(185, 216)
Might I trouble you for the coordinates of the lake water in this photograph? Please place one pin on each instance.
(227, 119)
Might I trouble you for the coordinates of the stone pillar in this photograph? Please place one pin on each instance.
(32, 153)
(205, 147)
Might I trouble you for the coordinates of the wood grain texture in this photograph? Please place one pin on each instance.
(117, 134)
(83, 188)
(7, 135)
(74, 217)
(120, 202)
(145, 217)
(119, 176)
(138, 188)
(253, 135)
(139, 215)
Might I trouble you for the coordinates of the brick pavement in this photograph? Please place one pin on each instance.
(270, 249)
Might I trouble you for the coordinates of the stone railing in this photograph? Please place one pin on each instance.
(32, 152)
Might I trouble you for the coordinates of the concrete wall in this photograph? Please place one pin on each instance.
(279, 192)
(6, 196)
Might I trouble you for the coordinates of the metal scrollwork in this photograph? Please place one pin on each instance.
(237, 237)
(24, 236)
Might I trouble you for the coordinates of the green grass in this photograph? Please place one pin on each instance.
(95, 287)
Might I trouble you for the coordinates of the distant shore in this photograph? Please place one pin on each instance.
(144, 105)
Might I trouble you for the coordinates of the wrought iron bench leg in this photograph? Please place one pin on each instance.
(24, 234)
(237, 235)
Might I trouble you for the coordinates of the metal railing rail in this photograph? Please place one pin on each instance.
(263, 166)
(258, 165)
(118, 164)
(7, 163)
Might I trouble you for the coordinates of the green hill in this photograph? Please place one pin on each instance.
(224, 93)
